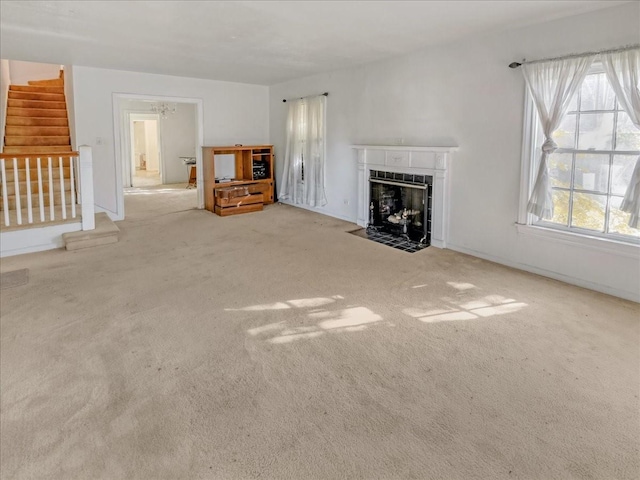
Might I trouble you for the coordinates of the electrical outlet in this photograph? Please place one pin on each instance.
(345, 201)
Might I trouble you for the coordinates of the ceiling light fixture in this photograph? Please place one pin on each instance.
(164, 108)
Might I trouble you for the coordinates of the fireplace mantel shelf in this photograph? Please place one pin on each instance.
(410, 159)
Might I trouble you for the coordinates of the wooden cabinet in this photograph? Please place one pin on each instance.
(241, 165)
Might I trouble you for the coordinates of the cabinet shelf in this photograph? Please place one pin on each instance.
(252, 166)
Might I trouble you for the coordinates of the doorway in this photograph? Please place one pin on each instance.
(180, 137)
(146, 162)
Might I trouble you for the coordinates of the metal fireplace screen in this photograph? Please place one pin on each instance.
(401, 205)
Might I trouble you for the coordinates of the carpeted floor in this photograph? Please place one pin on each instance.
(275, 345)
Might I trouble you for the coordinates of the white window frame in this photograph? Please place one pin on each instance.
(526, 224)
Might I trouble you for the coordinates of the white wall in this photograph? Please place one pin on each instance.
(464, 94)
(151, 145)
(5, 81)
(178, 137)
(22, 72)
(233, 113)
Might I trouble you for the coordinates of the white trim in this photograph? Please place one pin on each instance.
(117, 128)
(30, 240)
(318, 210)
(603, 245)
(598, 287)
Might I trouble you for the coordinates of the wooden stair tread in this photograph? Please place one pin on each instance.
(15, 141)
(37, 112)
(37, 121)
(35, 149)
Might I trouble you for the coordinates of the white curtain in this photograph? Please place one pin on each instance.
(303, 176)
(623, 72)
(552, 85)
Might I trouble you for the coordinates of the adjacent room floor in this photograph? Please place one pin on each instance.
(276, 345)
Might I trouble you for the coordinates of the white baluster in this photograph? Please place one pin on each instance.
(16, 183)
(29, 201)
(5, 197)
(52, 214)
(62, 194)
(40, 194)
(73, 186)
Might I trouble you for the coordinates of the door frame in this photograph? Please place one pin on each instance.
(123, 143)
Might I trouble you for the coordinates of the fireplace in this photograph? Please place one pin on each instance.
(400, 204)
(403, 177)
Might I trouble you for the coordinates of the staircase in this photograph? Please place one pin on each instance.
(37, 118)
(37, 126)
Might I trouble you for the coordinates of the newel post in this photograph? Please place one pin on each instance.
(86, 188)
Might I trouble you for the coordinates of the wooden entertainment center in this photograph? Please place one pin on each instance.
(252, 171)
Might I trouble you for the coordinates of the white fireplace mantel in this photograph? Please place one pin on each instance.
(433, 161)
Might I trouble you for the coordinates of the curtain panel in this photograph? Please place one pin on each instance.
(552, 85)
(623, 71)
(304, 160)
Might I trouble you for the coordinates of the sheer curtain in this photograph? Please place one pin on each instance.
(303, 175)
(552, 85)
(623, 72)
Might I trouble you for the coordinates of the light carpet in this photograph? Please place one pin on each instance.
(276, 345)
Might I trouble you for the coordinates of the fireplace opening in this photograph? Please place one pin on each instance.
(400, 205)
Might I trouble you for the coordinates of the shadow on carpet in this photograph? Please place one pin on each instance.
(13, 279)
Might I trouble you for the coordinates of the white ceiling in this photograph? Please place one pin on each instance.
(262, 42)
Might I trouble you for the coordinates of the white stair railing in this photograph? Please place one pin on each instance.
(73, 185)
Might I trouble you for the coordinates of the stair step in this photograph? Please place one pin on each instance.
(37, 149)
(35, 140)
(36, 89)
(33, 174)
(37, 112)
(46, 186)
(106, 232)
(35, 201)
(21, 131)
(49, 82)
(49, 97)
(12, 102)
(37, 121)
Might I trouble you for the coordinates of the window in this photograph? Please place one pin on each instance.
(589, 172)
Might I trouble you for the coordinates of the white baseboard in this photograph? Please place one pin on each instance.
(317, 210)
(633, 296)
(30, 240)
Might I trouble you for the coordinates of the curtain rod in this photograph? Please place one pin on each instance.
(574, 55)
(325, 94)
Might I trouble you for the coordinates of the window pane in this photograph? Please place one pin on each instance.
(592, 172)
(560, 207)
(621, 171)
(596, 93)
(573, 104)
(596, 131)
(565, 135)
(618, 220)
(560, 169)
(588, 211)
(627, 134)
